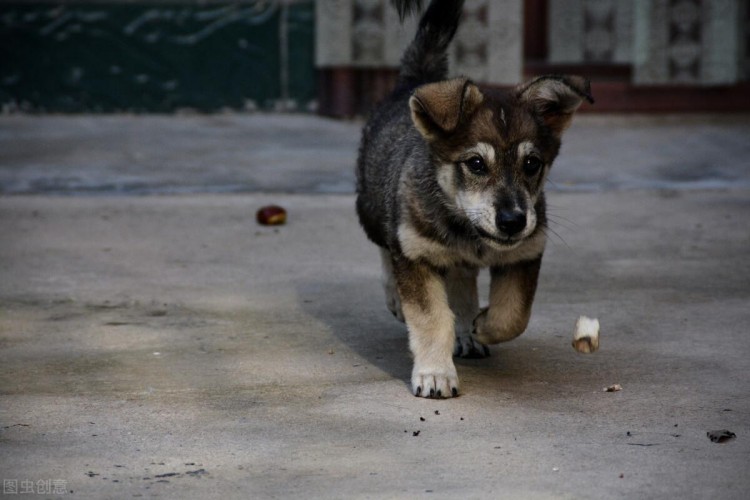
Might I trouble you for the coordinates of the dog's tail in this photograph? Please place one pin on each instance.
(426, 59)
(406, 7)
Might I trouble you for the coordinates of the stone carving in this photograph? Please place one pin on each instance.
(687, 41)
(684, 53)
(590, 31)
(599, 30)
(369, 34)
(470, 45)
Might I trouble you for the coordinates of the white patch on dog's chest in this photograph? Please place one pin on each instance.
(417, 247)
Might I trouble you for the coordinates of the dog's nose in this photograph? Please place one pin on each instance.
(511, 222)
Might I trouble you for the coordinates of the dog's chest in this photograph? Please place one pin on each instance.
(418, 247)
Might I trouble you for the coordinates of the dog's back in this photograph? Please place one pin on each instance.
(389, 139)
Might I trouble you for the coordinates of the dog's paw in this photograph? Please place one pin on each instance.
(468, 347)
(487, 332)
(435, 382)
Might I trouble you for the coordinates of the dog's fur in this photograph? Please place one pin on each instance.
(450, 179)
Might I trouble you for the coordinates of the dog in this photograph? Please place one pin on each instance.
(450, 179)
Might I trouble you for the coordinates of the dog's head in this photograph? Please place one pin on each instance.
(492, 150)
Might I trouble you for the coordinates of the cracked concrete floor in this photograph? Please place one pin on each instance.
(170, 347)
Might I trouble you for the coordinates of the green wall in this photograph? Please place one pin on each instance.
(155, 57)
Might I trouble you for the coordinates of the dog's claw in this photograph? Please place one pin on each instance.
(435, 383)
(467, 347)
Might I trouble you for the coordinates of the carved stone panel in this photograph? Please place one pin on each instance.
(590, 31)
(687, 41)
(369, 34)
(488, 46)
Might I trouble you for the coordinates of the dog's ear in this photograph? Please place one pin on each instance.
(437, 108)
(555, 98)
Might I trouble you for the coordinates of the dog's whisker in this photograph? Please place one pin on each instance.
(554, 211)
(547, 230)
(569, 225)
(561, 218)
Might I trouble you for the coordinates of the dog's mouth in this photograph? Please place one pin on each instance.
(505, 241)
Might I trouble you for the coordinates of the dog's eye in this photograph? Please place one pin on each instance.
(476, 165)
(532, 165)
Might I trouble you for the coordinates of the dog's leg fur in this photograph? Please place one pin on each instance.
(461, 286)
(392, 298)
(430, 321)
(512, 292)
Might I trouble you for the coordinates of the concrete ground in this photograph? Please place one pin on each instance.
(168, 346)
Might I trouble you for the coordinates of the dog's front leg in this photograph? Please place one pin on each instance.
(512, 292)
(463, 298)
(431, 328)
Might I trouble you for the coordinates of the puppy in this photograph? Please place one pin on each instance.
(450, 179)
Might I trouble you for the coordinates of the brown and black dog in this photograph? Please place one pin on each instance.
(450, 179)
